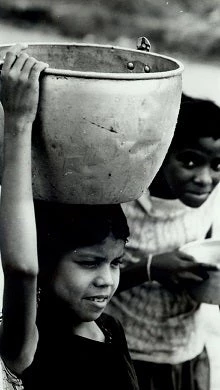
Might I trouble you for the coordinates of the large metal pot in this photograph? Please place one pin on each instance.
(105, 121)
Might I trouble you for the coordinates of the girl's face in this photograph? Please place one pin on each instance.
(193, 171)
(87, 277)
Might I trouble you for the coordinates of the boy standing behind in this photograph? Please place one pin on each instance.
(163, 324)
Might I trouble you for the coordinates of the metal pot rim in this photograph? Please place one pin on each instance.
(110, 76)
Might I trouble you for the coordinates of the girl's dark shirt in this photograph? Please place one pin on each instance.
(76, 362)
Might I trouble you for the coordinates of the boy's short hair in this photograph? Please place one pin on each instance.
(197, 118)
(63, 227)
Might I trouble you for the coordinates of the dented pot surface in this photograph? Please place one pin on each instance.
(105, 120)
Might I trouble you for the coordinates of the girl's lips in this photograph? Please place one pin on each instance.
(98, 301)
(98, 298)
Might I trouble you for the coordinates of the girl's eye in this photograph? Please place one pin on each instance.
(117, 263)
(88, 264)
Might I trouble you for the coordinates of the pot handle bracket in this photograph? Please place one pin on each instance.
(143, 44)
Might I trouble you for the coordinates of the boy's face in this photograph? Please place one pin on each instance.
(86, 278)
(193, 171)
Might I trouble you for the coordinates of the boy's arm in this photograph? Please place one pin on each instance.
(175, 270)
(133, 275)
(19, 96)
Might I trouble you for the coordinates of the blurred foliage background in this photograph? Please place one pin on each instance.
(188, 26)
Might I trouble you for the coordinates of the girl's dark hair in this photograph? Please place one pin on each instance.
(63, 227)
(197, 118)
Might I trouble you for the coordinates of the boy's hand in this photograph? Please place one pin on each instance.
(20, 86)
(177, 270)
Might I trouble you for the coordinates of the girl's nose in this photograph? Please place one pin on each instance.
(203, 176)
(104, 277)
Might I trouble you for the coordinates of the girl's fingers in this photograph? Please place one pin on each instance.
(18, 47)
(20, 61)
(28, 66)
(12, 54)
(36, 70)
(10, 58)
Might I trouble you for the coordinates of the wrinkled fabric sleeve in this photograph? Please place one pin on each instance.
(8, 380)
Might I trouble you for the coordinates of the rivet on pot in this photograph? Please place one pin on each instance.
(130, 65)
(147, 68)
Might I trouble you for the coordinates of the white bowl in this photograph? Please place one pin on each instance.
(206, 251)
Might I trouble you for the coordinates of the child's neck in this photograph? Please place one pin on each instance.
(89, 330)
(55, 313)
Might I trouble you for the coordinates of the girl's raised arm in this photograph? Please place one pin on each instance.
(19, 97)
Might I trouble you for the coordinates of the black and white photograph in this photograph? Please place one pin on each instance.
(109, 195)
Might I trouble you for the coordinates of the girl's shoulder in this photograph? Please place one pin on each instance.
(8, 380)
(112, 330)
(119, 340)
(109, 322)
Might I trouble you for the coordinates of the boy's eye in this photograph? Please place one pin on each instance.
(189, 160)
(189, 164)
(216, 166)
